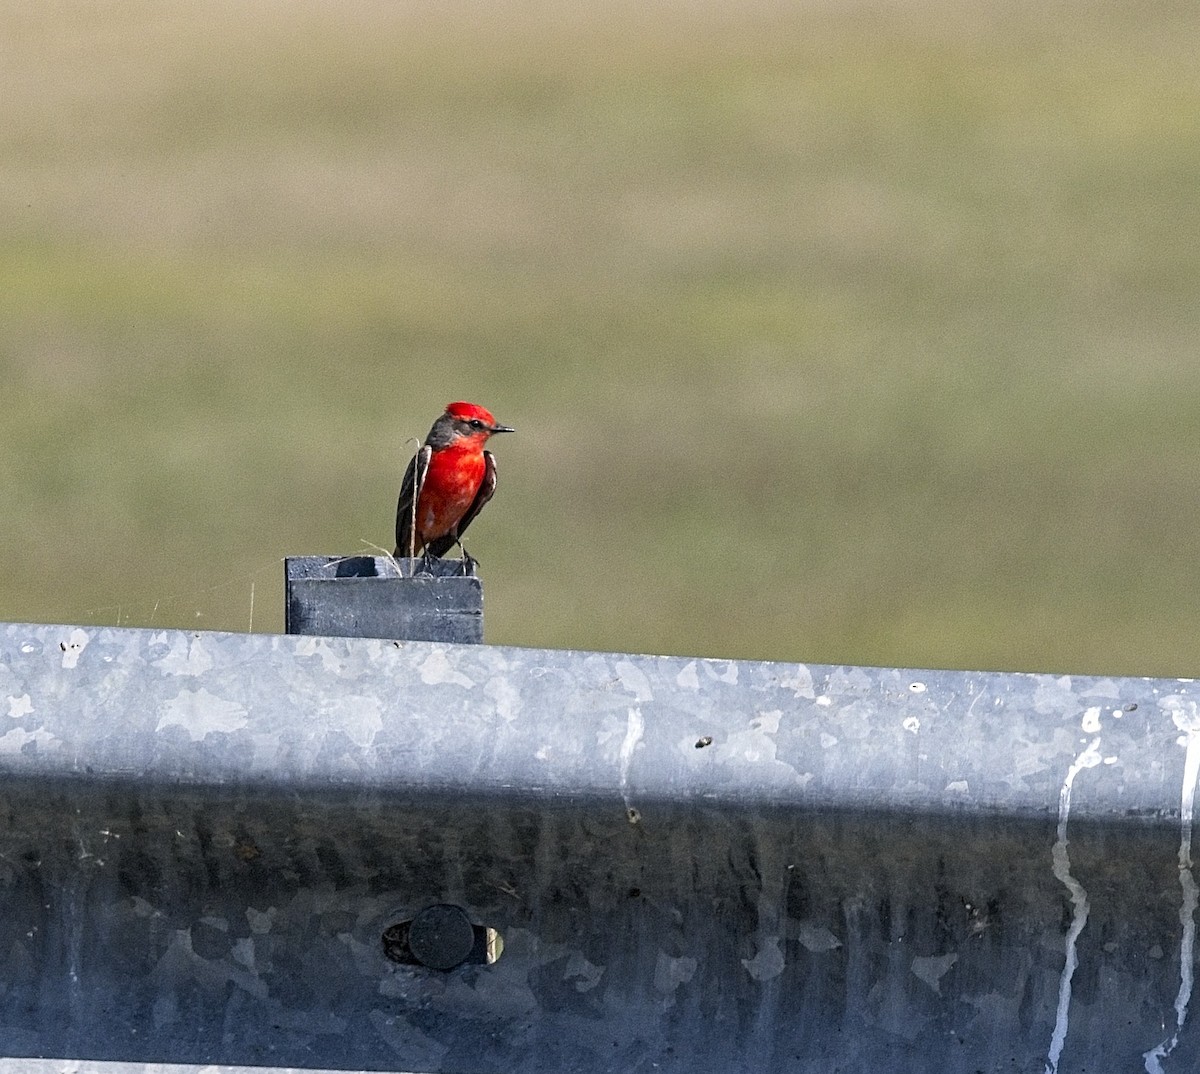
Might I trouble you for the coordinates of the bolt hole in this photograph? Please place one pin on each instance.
(702, 741)
(442, 937)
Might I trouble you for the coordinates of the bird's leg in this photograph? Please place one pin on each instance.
(469, 562)
(426, 561)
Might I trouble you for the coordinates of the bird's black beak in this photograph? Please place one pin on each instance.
(503, 429)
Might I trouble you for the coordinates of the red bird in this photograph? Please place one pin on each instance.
(447, 483)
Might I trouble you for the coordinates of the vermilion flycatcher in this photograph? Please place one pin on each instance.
(447, 483)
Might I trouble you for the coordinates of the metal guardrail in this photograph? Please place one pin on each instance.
(695, 865)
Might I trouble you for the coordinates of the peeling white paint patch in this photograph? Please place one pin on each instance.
(435, 670)
(1091, 720)
(687, 679)
(752, 745)
(635, 727)
(799, 681)
(729, 675)
(817, 938)
(824, 701)
(310, 646)
(917, 687)
(1184, 712)
(505, 696)
(957, 786)
(1061, 860)
(911, 724)
(1186, 718)
(768, 962)
(19, 706)
(1053, 694)
(582, 973)
(186, 656)
(201, 713)
(767, 722)
(932, 969)
(358, 716)
(633, 678)
(828, 741)
(670, 973)
(15, 740)
(76, 642)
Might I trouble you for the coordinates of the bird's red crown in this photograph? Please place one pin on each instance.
(469, 411)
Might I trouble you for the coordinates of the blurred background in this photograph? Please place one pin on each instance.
(832, 331)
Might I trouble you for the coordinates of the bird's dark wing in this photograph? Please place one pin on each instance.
(406, 509)
(487, 488)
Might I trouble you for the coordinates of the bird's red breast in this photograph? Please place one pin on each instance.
(455, 474)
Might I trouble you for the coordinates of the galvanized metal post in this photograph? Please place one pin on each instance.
(384, 597)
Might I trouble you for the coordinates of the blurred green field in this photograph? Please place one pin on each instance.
(832, 332)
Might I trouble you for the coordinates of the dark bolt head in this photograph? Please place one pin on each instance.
(441, 936)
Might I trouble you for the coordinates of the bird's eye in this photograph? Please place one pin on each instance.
(476, 423)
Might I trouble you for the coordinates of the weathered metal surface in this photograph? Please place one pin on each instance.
(696, 865)
(100, 1066)
(383, 597)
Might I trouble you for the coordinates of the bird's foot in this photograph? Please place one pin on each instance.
(426, 562)
(469, 563)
